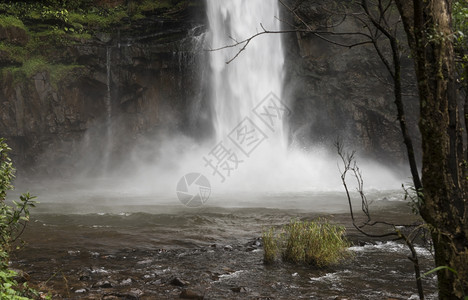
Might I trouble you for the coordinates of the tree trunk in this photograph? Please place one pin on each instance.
(443, 206)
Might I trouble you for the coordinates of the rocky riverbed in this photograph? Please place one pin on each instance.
(169, 252)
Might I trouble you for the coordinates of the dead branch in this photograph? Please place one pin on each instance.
(350, 165)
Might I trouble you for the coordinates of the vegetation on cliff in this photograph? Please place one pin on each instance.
(36, 36)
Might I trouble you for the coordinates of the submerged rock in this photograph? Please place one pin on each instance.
(178, 282)
(127, 281)
(103, 284)
(21, 276)
(189, 294)
(240, 289)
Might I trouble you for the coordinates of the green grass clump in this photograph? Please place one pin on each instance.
(7, 20)
(270, 245)
(16, 53)
(59, 74)
(97, 19)
(33, 66)
(149, 5)
(316, 243)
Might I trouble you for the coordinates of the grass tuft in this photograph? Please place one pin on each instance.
(316, 243)
(6, 21)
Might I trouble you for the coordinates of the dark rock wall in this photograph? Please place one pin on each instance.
(56, 127)
(344, 93)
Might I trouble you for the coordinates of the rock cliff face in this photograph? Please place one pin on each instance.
(145, 80)
(119, 85)
(345, 92)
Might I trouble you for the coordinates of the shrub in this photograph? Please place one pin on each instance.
(13, 220)
(316, 243)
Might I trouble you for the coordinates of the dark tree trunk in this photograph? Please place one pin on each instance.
(443, 206)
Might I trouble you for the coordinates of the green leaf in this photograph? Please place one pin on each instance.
(438, 269)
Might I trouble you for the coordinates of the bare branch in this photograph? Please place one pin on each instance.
(244, 43)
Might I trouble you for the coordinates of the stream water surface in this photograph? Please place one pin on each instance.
(118, 247)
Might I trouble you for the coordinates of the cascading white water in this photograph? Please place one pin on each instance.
(239, 86)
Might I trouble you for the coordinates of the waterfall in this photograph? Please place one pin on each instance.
(238, 87)
(108, 106)
(108, 90)
(248, 152)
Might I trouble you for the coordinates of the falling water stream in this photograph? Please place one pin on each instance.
(239, 86)
(108, 104)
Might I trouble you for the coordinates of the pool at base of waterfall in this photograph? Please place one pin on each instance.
(83, 251)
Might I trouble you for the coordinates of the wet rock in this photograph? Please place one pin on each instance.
(189, 294)
(127, 281)
(100, 270)
(85, 278)
(240, 289)
(155, 282)
(21, 276)
(74, 252)
(103, 37)
(145, 262)
(213, 275)
(361, 243)
(178, 282)
(81, 291)
(13, 34)
(228, 248)
(254, 245)
(134, 294)
(103, 284)
(229, 270)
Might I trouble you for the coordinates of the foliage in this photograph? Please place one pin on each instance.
(13, 220)
(57, 73)
(415, 198)
(53, 26)
(316, 243)
(6, 20)
(15, 53)
(439, 268)
(460, 25)
(10, 289)
(460, 29)
(6, 170)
